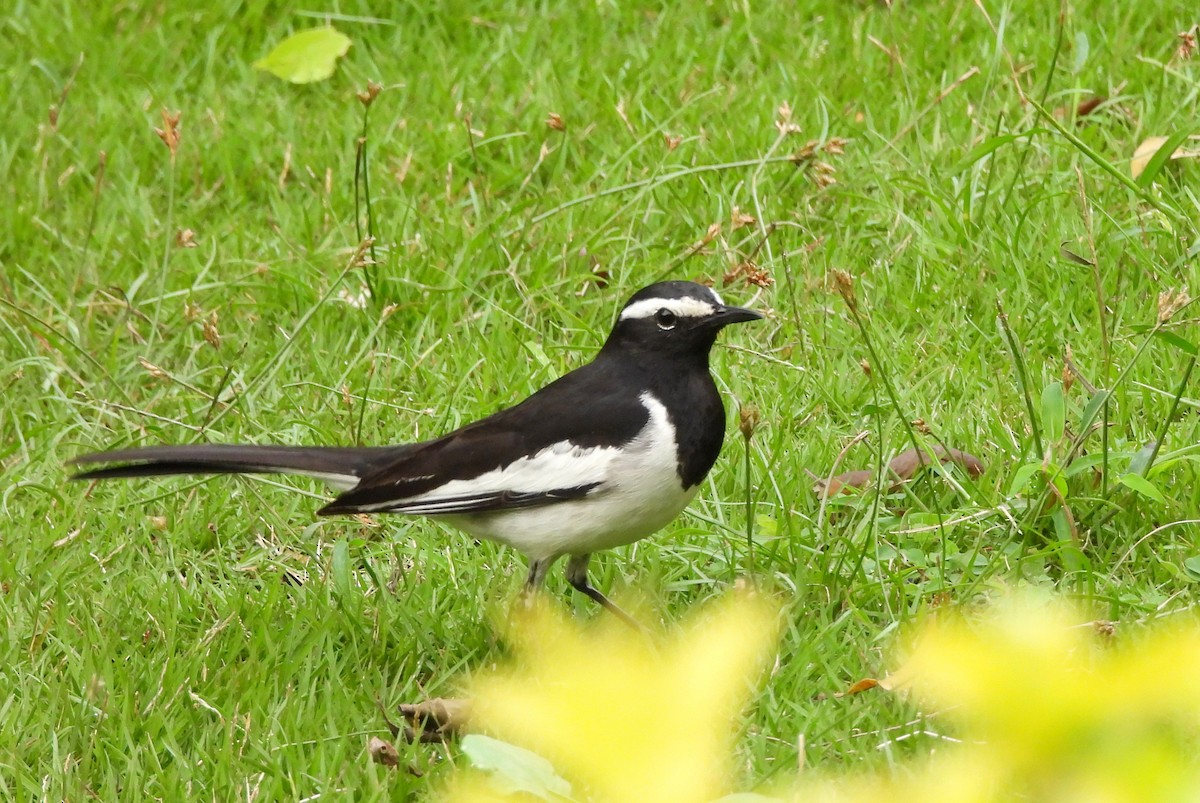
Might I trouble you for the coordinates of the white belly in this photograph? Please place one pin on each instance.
(640, 493)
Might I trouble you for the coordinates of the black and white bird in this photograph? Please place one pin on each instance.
(602, 457)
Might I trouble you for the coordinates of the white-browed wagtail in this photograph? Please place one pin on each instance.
(601, 457)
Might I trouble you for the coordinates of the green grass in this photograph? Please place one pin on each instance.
(212, 640)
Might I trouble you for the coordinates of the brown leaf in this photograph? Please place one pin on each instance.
(902, 467)
(436, 719)
(383, 752)
(1080, 110)
(866, 684)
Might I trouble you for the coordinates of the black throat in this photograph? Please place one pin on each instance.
(681, 382)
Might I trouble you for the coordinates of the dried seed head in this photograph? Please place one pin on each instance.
(748, 420)
(865, 366)
(824, 175)
(805, 154)
(920, 426)
(836, 146)
(710, 235)
(554, 121)
(152, 369)
(783, 120)
(738, 219)
(1188, 43)
(191, 311)
(212, 335)
(368, 95)
(759, 277)
(1170, 302)
(845, 287)
(170, 132)
(752, 273)
(185, 238)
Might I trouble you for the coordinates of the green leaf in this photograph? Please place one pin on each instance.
(1165, 464)
(1055, 476)
(1191, 567)
(1085, 463)
(1054, 412)
(341, 568)
(1140, 460)
(1092, 409)
(1082, 48)
(992, 144)
(538, 353)
(1143, 486)
(515, 769)
(1073, 559)
(306, 56)
(1022, 477)
(766, 526)
(1181, 343)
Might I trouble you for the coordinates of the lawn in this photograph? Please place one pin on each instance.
(528, 167)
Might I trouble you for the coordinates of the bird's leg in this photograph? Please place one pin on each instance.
(577, 577)
(537, 575)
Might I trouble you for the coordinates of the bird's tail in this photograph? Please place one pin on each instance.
(340, 466)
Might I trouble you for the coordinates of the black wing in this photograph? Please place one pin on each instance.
(572, 423)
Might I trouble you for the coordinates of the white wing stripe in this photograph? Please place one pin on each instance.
(560, 465)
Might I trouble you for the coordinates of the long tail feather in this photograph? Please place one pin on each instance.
(340, 466)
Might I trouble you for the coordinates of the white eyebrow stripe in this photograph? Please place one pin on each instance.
(682, 307)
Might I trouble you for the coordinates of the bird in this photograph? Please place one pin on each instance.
(605, 455)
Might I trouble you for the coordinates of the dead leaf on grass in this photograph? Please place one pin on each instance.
(434, 720)
(383, 752)
(1149, 147)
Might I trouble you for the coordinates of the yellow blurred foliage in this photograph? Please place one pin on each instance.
(1048, 707)
(623, 715)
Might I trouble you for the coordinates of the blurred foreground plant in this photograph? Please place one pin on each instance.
(624, 716)
(1049, 707)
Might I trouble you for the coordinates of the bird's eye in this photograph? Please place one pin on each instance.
(665, 319)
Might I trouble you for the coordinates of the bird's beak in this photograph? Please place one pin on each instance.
(728, 315)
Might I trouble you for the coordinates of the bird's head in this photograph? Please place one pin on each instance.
(675, 318)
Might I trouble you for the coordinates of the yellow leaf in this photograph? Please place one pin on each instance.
(306, 56)
(1150, 146)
